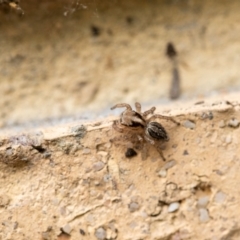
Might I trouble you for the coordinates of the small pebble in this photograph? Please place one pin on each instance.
(189, 124)
(220, 197)
(169, 164)
(67, 229)
(107, 178)
(45, 236)
(162, 173)
(133, 206)
(102, 153)
(221, 124)
(9, 151)
(152, 206)
(98, 166)
(15, 225)
(100, 233)
(199, 102)
(203, 215)
(108, 145)
(82, 232)
(203, 201)
(79, 131)
(228, 139)
(130, 153)
(233, 123)
(173, 207)
(55, 201)
(185, 152)
(86, 151)
(208, 115)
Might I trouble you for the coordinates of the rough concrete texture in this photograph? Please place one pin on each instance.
(66, 62)
(73, 183)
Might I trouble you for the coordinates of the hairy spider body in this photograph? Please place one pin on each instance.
(140, 126)
(156, 131)
(129, 117)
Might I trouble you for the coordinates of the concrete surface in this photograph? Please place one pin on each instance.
(76, 184)
(63, 64)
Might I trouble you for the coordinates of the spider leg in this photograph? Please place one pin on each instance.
(149, 140)
(150, 111)
(156, 146)
(163, 117)
(116, 126)
(161, 153)
(144, 151)
(123, 141)
(138, 107)
(122, 105)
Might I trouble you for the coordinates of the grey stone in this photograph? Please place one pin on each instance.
(173, 207)
(203, 215)
(189, 124)
(100, 233)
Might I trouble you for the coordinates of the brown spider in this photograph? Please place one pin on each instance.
(141, 126)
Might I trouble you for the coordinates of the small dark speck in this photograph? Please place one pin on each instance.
(129, 20)
(198, 103)
(125, 90)
(82, 84)
(229, 103)
(95, 31)
(110, 32)
(218, 172)
(210, 115)
(185, 152)
(39, 148)
(82, 232)
(130, 153)
(171, 51)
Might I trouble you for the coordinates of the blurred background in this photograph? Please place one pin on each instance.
(63, 59)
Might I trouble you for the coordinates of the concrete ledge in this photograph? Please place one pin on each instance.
(75, 184)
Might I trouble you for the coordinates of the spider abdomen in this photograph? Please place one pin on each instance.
(156, 131)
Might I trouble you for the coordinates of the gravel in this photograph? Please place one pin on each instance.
(133, 206)
(203, 201)
(67, 229)
(173, 207)
(100, 233)
(203, 215)
(98, 166)
(221, 124)
(169, 164)
(189, 124)
(220, 197)
(234, 123)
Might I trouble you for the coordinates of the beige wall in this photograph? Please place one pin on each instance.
(51, 65)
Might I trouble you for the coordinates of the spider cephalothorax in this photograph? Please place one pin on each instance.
(131, 118)
(140, 126)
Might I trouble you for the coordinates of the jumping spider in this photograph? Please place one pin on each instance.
(140, 127)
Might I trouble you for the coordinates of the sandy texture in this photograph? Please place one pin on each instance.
(73, 183)
(63, 64)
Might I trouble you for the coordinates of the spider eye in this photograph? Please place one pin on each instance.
(156, 131)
